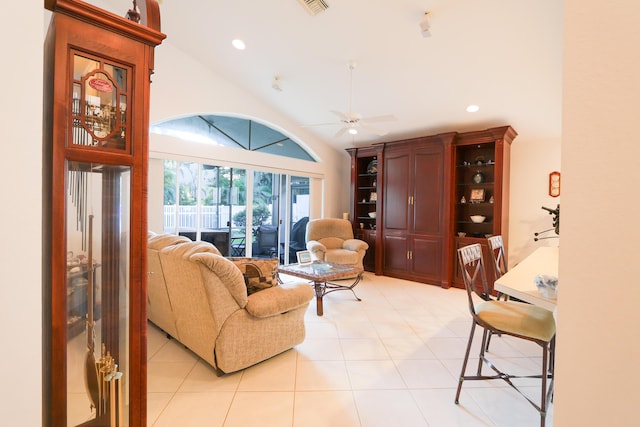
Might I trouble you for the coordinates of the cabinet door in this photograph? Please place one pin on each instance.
(369, 260)
(428, 190)
(395, 255)
(426, 258)
(396, 190)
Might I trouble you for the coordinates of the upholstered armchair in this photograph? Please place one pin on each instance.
(210, 311)
(158, 305)
(331, 240)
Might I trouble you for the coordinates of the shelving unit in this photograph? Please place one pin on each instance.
(365, 180)
(427, 189)
(471, 162)
(481, 167)
(367, 199)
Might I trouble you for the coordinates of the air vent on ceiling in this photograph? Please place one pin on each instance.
(314, 6)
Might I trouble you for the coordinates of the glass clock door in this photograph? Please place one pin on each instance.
(99, 103)
(98, 228)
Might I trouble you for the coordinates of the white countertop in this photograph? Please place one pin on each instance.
(518, 281)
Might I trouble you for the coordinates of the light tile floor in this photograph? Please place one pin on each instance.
(390, 360)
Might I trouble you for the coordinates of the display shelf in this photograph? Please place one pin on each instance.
(482, 173)
(366, 198)
(419, 186)
(365, 183)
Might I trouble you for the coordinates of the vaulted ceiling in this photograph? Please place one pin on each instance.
(503, 55)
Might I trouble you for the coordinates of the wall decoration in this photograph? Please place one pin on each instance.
(554, 184)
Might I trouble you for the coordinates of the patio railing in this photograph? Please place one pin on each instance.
(211, 217)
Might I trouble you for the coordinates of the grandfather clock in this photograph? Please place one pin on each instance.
(97, 75)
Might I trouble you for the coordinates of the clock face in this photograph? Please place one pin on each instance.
(477, 178)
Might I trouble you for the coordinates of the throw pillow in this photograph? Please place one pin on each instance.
(259, 273)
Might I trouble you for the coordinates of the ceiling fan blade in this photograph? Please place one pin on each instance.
(343, 116)
(353, 121)
(322, 124)
(341, 132)
(373, 129)
(384, 118)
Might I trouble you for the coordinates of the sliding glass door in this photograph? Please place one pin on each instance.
(201, 200)
(266, 214)
(295, 203)
(208, 202)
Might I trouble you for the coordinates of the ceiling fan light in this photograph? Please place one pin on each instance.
(353, 131)
(473, 108)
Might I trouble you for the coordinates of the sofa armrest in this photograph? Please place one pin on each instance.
(277, 300)
(355, 245)
(317, 249)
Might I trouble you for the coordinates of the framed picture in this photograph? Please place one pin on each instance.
(304, 257)
(477, 195)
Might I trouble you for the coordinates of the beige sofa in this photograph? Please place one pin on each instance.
(158, 305)
(211, 312)
(331, 240)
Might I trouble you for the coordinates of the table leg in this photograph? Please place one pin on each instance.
(322, 288)
(319, 288)
(331, 287)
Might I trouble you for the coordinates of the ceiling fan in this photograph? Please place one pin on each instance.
(353, 122)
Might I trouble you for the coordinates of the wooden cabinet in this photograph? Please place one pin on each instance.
(427, 190)
(480, 205)
(97, 79)
(414, 211)
(368, 236)
(365, 200)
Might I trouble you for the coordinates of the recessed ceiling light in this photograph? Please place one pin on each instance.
(238, 44)
(472, 108)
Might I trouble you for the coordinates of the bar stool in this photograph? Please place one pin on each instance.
(516, 319)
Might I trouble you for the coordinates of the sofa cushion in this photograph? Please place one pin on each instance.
(332, 242)
(159, 241)
(278, 300)
(258, 273)
(342, 256)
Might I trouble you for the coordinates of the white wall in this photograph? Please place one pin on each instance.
(182, 86)
(598, 317)
(155, 203)
(21, 175)
(531, 163)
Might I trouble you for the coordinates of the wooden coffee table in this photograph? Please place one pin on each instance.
(320, 274)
